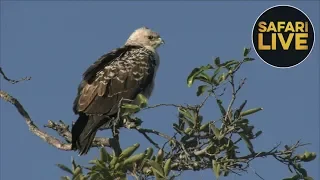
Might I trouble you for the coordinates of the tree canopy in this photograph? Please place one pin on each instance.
(195, 144)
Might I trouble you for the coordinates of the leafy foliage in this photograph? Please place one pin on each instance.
(110, 166)
(196, 144)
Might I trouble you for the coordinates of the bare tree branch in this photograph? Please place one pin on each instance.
(11, 80)
(61, 128)
(158, 105)
(32, 127)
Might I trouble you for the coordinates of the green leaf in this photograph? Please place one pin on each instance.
(243, 123)
(192, 76)
(225, 169)
(79, 177)
(129, 151)
(247, 141)
(190, 124)
(250, 111)
(295, 177)
(118, 166)
(307, 178)
(222, 110)
(203, 77)
(215, 130)
(100, 164)
(216, 168)
(217, 61)
(94, 161)
(104, 156)
(185, 112)
(95, 176)
(310, 156)
(307, 156)
(216, 72)
(65, 168)
(185, 116)
(167, 167)
(205, 127)
(77, 171)
(160, 155)
(131, 107)
(222, 78)
(236, 114)
(195, 72)
(246, 51)
(134, 158)
(214, 81)
(248, 59)
(230, 63)
(149, 152)
(143, 101)
(177, 128)
(258, 133)
(242, 105)
(113, 161)
(303, 172)
(288, 178)
(188, 131)
(156, 168)
(201, 89)
(65, 178)
(74, 165)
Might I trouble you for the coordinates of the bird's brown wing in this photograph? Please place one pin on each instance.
(89, 76)
(106, 84)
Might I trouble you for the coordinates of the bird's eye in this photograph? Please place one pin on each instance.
(150, 37)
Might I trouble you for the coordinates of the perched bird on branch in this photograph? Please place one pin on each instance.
(120, 74)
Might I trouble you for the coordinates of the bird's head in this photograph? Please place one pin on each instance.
(145, 37)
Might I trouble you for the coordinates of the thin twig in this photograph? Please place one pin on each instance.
(207, 97)
(154, 132)
(158, 105)
(164, 136)
(11, 80)
(255, 172)
(234, 91)
(148, 138)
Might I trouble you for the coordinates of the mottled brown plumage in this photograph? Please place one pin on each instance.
(120, 74)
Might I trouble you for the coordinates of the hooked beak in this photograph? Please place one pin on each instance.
(161, 41)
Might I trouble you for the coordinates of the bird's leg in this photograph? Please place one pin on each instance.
(116, 124)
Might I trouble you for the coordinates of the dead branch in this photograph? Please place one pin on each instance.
(32, 127)
(61, 128)
(11, 80)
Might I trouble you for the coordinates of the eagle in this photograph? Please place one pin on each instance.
(123, 73)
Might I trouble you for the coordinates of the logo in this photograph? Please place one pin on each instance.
(283, 36)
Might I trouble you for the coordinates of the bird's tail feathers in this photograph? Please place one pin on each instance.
(84, 131)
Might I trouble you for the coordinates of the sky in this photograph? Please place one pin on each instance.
(55, 41)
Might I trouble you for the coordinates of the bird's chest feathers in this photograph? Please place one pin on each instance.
(134, 65)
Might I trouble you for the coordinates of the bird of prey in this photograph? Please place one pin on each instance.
(120, 74)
